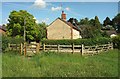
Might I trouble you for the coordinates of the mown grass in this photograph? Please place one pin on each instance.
(51, 64)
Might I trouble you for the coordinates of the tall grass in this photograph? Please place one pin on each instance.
(51, 64)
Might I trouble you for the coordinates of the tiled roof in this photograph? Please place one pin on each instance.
(71, 25)
(2, 28)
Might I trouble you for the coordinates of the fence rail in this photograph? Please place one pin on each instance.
(82, 49)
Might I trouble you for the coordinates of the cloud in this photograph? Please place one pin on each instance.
(59, 8)
(56, 8)
(39, 4)
(7, 21)
(67, 8)
(46, 20)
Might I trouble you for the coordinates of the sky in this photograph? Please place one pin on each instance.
(48, 11)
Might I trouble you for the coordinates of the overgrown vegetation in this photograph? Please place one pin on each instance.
(6, 40)
(116, 41)
(51, 64)
(92, 41)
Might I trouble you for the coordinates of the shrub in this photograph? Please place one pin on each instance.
(116, 41)
(6, 40)
(92, 41)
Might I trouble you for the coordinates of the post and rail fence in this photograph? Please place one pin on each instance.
(82, 49)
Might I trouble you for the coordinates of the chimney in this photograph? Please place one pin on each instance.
(63, 16)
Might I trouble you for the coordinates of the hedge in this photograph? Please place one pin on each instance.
(116, 41)
(6, 40)
(93, 41)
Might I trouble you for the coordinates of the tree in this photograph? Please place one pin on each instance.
(97, 23)
(92, 22)
(87, 31)
(42, 29)
(116, 22)
(20, 19)
(73, 21)
(107, 21)
(84, 21)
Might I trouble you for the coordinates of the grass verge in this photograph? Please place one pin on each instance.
(51, 64)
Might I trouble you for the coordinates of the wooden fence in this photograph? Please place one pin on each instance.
(83, 50)
(31, 48)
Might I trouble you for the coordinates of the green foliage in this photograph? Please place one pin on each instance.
(116, 41)
(92, 22)
(42, 30)
(84, 21)
(20, 19)
(104, 34)
(97, 23)
(107, 21)
(93, 41)
(90, 28)
(51, 64)
(87, 31)
(73, 21)
(6, 40)
(116, 22)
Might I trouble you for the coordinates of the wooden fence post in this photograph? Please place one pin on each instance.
(37, 47)
(82, 49)
(44, 47)
(72, 48)
(25, 49)
(111, 45)
(40, 46)
(58, 47)
(96, 48)
(21, 48)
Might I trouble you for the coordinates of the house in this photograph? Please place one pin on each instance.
(2, 30)
(61, 29)
(110, 32)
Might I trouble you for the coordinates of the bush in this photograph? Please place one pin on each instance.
(92, 41)
(116, 41)
(6, 40)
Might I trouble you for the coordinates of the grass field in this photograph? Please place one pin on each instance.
(51, 64)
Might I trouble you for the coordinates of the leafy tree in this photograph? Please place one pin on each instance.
(107, 21)
(97, 23)
(73, 21)
(84, 21)
(92, 22)
(116, 22)
(42, 29)
(88, 31)
(20, 19)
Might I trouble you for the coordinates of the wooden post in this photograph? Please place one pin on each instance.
(108, 45)
(96, 48)
(37, 47)
(72, 48)
(58, 48)
(25, 49)
(21, 48)
(9, 46)
(43, 47)
(82, 49)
